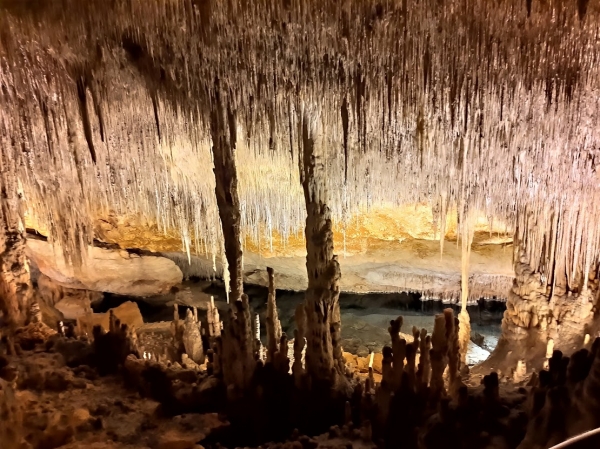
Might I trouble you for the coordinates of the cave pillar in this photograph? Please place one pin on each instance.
(464, 329)
(274, 331)
(223, 133)
(238, 347)
(324, 360)
(15, 283)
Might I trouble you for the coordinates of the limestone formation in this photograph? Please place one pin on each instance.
(299, 346)
(464, 330)
(226, 125)
(128, 313)
(15, 283)
(113, 347)
(564, 402)
(273, 324)
(323, 350)
(192, 337)
(398, 351)
(224, 134)
(542, 314)
(11, 411)
(424, 371)
(238, 356)
(106, 270)
(214, 321)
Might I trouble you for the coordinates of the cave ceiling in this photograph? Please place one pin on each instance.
(471, 107)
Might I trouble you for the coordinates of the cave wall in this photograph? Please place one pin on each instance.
(16, 291)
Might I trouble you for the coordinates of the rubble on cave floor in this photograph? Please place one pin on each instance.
(67, 407)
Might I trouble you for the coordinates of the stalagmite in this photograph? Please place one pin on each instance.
(238, 356)
(214, 321)
(15, 284)
(192, 337)
(424, 371)
(323, 351)
(454, 356)
(438, 354)
(398, 352)
(464, 330)
(273, 324)
(298, 365)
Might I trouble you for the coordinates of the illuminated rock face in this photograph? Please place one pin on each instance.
(15, 282)
(385, 250)
(107, 271)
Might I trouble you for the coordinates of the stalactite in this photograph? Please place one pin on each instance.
(223, 132)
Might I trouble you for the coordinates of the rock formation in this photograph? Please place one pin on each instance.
(539, 313)
(15, 283)
(322, 310)
(69, 303)
(123, 108)
(105, 270)
(274, 341)
(224, 134)
(127, 313)
(192, 337)
(187, 337)
(239, 349)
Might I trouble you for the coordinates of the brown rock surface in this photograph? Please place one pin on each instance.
(70, 303)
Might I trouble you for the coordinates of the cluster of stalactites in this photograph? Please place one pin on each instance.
(475, 103)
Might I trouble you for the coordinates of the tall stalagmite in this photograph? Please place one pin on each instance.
(324, 358)
(15, 283)
(223, 132)
(273, 325)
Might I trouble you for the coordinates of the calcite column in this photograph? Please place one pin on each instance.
(324, 359)
(273, 325)
(464, 330)
(223, 133)
(15, 283)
